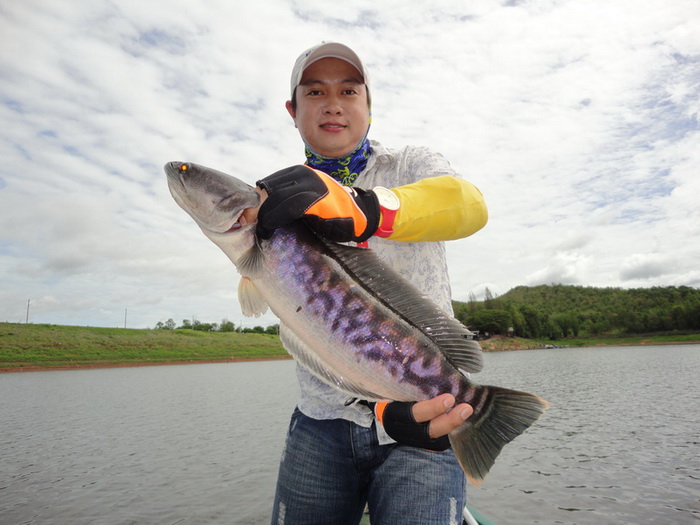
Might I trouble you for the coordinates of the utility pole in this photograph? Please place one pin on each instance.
(27, 319)
(124, 317)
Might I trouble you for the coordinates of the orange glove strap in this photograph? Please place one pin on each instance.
(338, 204)
(379, 409)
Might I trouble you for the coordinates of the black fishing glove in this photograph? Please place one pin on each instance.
(399, 423)
(336, 212)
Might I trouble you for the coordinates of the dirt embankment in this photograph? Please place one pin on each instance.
(501, 343)
(39, 368)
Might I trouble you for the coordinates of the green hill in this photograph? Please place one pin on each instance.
(560, 311)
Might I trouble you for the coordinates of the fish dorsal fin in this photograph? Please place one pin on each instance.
(451, 336)
(309, 360)
(252, 303)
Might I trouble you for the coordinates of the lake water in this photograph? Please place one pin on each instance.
(199, 444)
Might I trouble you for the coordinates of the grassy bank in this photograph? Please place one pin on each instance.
(49, 346)
(29, 346)
(501, 343)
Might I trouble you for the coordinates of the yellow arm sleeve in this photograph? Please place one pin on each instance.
(438, 209)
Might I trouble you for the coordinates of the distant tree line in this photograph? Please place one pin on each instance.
(560, 311)
(550, 311)
(224, 326)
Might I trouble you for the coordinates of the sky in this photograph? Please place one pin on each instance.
(577, 119)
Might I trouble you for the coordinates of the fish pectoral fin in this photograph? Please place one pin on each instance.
(251, 262)
(252, 303)
(309, 360)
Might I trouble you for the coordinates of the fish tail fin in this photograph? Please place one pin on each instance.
(500, 415)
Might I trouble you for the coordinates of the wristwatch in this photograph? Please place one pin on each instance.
(389, 205)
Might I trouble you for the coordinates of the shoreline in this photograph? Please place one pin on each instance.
(95, 366)
(504, 344)
(495, 347)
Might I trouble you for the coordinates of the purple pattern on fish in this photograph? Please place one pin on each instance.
(394, 350)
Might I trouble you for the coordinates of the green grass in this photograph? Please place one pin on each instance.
(500, 343)
(28, 345)
(632, 339)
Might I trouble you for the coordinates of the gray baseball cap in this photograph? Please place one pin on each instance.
(326, 50)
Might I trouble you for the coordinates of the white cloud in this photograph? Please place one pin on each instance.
(579, 122)
(645, 266)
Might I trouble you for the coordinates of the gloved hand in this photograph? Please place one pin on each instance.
(334, 211)
(399, 423)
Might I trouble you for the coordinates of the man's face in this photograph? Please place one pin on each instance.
(332, 113)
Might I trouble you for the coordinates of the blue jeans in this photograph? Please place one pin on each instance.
(330, 469)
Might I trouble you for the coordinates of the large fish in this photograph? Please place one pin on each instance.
(352, 321)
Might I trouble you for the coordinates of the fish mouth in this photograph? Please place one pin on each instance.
(235, 226)
(231, 225)
(235, 223)
(228, 227)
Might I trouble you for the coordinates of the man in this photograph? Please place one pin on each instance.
(343, 453)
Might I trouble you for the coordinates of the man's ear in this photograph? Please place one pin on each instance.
(292, 112)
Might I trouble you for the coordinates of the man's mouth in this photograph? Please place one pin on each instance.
(332, 126)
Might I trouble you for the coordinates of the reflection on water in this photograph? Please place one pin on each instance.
(173, 444)
(619, 445)
(201, 443)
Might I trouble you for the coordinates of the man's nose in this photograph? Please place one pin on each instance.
(333, 106)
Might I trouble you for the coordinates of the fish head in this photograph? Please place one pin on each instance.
(216, 201)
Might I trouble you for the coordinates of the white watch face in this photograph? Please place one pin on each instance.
(387, 198)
